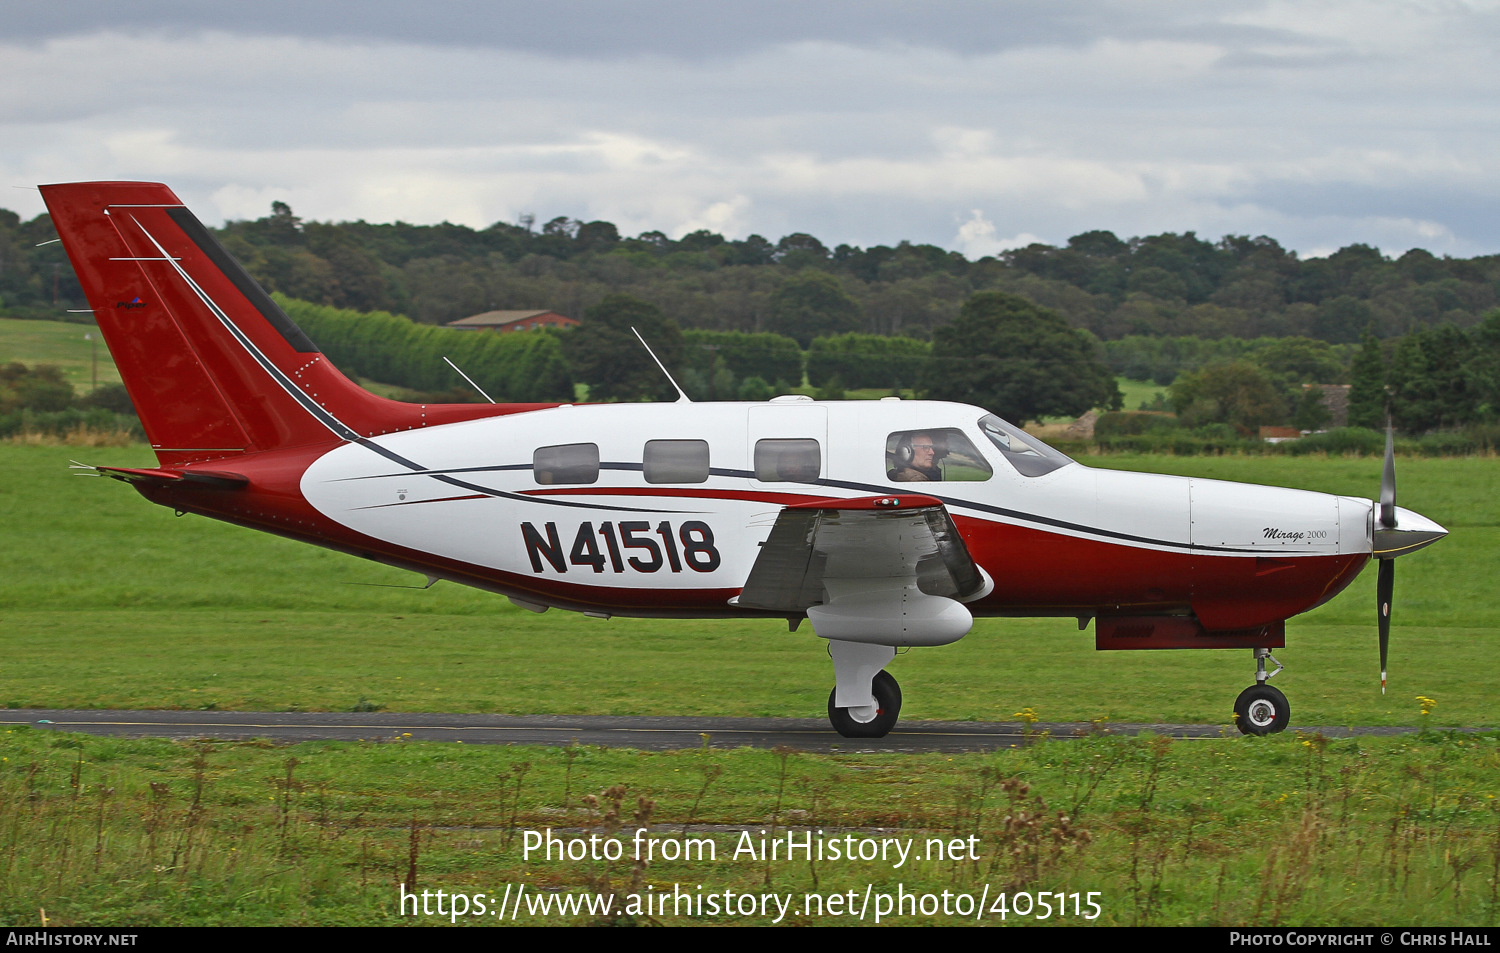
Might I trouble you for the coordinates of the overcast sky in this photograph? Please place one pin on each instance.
(973, 125)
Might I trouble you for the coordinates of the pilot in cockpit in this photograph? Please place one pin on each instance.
(916, 459)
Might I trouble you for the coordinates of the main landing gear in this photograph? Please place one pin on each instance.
(1261, 709)
(863, 722)
(866, 701)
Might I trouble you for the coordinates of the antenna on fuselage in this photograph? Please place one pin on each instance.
(682, 397)
(469, 379)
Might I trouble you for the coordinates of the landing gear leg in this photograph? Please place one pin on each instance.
(865, 701)
(1261, 709)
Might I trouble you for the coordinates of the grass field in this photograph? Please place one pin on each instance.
(108, 601)
(1138, 392)
(190, 613)
(56, 342)
(1287, 830)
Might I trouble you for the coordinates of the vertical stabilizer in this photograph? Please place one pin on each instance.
(213, 366)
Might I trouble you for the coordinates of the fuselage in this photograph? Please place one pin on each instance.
(660, 509)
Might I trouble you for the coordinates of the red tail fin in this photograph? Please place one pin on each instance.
(213, 366)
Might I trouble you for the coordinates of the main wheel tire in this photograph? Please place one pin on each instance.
(887, 710)
(1261, 710)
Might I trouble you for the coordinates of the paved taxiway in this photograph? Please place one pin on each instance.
(652, 733)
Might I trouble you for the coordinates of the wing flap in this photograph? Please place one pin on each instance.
(870, 538)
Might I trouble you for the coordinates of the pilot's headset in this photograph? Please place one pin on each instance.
(903, 452)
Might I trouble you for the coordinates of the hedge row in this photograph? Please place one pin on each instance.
(866, 360)
(60, 423)
(531, 366)
(771, 357)
(519, 366)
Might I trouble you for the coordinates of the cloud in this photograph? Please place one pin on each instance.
(976, 238)
(1321, 124)
(685, 29)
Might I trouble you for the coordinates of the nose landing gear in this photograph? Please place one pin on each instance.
(1261, 709)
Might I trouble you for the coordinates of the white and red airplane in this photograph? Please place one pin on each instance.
(885, 523)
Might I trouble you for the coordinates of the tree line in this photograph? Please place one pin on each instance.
(1433, 381)
(1168, 285)
(1002, 352)
(748, 319)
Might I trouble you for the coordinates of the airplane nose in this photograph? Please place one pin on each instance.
(1412, 532)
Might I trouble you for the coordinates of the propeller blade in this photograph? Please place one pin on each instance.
(1388, 483)
(1385, 585)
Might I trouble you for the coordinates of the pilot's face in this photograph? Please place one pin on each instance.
(922, 450)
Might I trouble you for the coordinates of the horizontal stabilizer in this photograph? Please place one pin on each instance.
(218, 478)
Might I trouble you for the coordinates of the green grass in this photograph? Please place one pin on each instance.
(1286, 830)
(60, 343)
(1138, 392)
(110, 601)
(191, 613)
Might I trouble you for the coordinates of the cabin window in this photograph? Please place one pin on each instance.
(675, 461)
(783, 460)
(566, 463)
(1026, 453)
(942, 454)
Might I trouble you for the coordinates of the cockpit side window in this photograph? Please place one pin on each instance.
(942, 454)
(1026, 453)
(566, 463)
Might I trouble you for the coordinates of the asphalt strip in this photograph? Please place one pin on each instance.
(649, 733)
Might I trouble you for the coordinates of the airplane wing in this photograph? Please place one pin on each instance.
(883, 543)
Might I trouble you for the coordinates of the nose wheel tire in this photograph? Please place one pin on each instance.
(1261, 710)
(887, 710)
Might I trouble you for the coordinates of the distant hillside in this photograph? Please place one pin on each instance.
(53, 342)
(1160, 285)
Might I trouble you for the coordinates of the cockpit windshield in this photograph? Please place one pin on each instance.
(1026, 453)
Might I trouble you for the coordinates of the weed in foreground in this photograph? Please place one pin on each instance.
(1289, 831)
